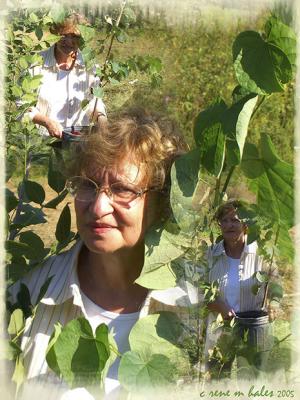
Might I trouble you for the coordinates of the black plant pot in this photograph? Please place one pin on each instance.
(256, 332)
(256, 326)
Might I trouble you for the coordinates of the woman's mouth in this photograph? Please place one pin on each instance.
(101, 228)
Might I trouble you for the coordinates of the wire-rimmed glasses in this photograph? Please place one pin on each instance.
(86, 190)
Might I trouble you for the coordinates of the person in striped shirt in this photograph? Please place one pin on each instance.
(66, 83)
(120, 183)
(232, 264)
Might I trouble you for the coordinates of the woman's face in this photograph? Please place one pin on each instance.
(106, 226)
(233, 230)
(69, 43)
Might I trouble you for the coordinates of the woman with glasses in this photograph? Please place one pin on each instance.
(119, 181)
(65, 83)
(232, 264)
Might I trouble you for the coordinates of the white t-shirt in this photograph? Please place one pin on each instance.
(121, 324)
(59, 97)
(232, 291)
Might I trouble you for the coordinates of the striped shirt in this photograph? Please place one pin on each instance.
(63, 302)
(249, 263)
(79, 84)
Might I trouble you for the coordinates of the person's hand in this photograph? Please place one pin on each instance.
(101, 120)
(54, 128)
(223, 308)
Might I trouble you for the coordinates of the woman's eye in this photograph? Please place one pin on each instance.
(122, 189)
(86, 187)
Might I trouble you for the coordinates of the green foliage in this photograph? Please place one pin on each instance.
(78, 355)
(63, 227)
(254, 61)
(263, 64)
(210, 137)
(160, 278)
(184, 195)
(139, 372)
(55, 178)
(16, 322)
(155, 358)
(162, 245)
(274, 181)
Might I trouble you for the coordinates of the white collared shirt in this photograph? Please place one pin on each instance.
(62, 302)
(249, 263)
(61, 92)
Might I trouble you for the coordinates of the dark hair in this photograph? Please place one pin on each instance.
(225, 208)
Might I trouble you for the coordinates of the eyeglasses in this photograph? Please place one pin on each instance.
(71, 35)
(230, 221)
(86, 190)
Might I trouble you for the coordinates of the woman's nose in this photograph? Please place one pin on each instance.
(101, 205)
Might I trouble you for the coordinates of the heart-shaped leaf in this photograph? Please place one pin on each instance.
(260, 66)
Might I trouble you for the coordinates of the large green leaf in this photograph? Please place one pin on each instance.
(63, 227)
(57, 200)
(280, 177)
(237, 120)
(50, 352)
(29, 216)
(34, 191)
(157, 333)
(160, 278)
(162, 245)
(76, 354)
(185, 174)
(274, 181)
(260, 66)
(56, 179)
(138, 372)
(282, 36)
(286, 245)
(154, 359)
(251, 162)
(36, 249)
(210, 137)
(16, 249)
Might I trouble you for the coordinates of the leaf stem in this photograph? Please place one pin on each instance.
(258, 106)
(270, 266)
(217, 193)
(228, 180)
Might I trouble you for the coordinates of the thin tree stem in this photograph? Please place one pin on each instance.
(270, 266)
(28, 159)
(228, 179)
(108, 54)
(258, 106)
(217, 193)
